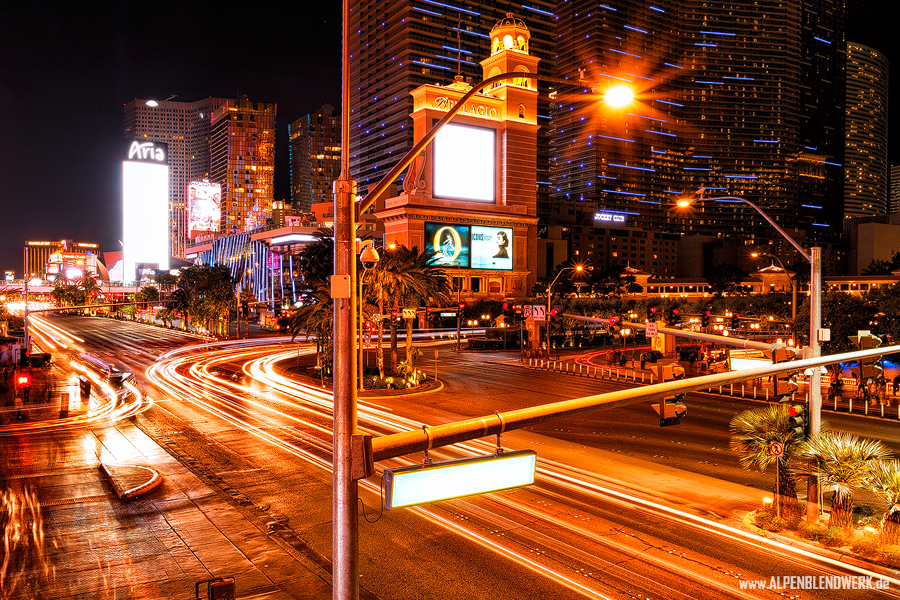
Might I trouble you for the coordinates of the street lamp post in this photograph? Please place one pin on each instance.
(578, 268)
(814, 256)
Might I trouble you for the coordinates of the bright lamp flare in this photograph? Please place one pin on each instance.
(619, 96)
(683, 203)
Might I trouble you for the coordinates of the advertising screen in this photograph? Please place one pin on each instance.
(204, 207)
(464, 161)
(492, 248)
(450, 244)
(145, 196)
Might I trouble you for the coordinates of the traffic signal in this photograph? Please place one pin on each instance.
(671, 410)
(735, 320)
(651, 313)
(245, 309)
(797, 421)
(553, 312)
(462, 306)
(869, 369)
(704, 318)
(673, 319)
(23, 379)
(785, 388)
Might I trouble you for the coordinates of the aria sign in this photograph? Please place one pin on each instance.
(146, 151)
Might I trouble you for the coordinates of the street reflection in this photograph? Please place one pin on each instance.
(25, 568)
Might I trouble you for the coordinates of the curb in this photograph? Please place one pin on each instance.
(120, 487)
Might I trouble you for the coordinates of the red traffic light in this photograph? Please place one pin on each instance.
(613, 320)
(674, 311)
(23, 380)
(429, 309)
(505, 305)
(553, 312)
(708, 313)
(462, 305)
(653, 309)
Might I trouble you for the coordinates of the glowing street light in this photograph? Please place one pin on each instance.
(619, 96)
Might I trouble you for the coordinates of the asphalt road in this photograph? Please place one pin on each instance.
(568, 536)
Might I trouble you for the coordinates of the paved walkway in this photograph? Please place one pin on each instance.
(70, 536)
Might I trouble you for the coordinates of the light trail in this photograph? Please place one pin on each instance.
(191, 378)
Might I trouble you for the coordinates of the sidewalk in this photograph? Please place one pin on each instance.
(85, 542)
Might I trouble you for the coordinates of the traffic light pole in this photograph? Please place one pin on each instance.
(815, 380)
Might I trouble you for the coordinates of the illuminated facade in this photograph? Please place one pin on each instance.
(62, 260)
(739, 98)
(471, 197)
(315, 158)
(184, 127)
(866, 172)
(242, 160)
(399, 45)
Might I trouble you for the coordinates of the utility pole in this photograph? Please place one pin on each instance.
(345, 529)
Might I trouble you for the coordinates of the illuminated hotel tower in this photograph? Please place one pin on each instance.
(471, 196)
(314, 144)
(242, 160)
(184, 126)
(740, 98)
(866, 172)
(398, 45)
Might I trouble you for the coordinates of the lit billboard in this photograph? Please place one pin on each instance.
(204, 207)
(448, 243)
(145, 199)
(492, 248)
(464, 163)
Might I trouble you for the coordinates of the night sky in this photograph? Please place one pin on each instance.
(67, 68)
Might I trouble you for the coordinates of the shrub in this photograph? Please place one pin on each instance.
(810, 531)
(769, 521)
(792, 522)
(863, 513)
(835, 536)
(866, 546)
(890, 555)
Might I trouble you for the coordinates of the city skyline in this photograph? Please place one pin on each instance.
(68, 73)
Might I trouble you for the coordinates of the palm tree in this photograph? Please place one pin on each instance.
(316, 317)
(407, 277)
(885, 482)
(843, 461)
(752, 433)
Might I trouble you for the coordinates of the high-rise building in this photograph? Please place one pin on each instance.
(315, 157)
(866, 162)
(739, 98)
(398, 46)
(184, 126)
(895, 190)
(242, 160)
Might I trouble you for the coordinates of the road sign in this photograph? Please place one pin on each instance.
(539, 312)
(409, 313)
(448, 314)
(421, 484)
(526, 311)
(652, 330)
(776, 449)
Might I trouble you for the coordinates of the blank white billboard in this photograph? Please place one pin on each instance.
(464, 161)
(145, 233)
